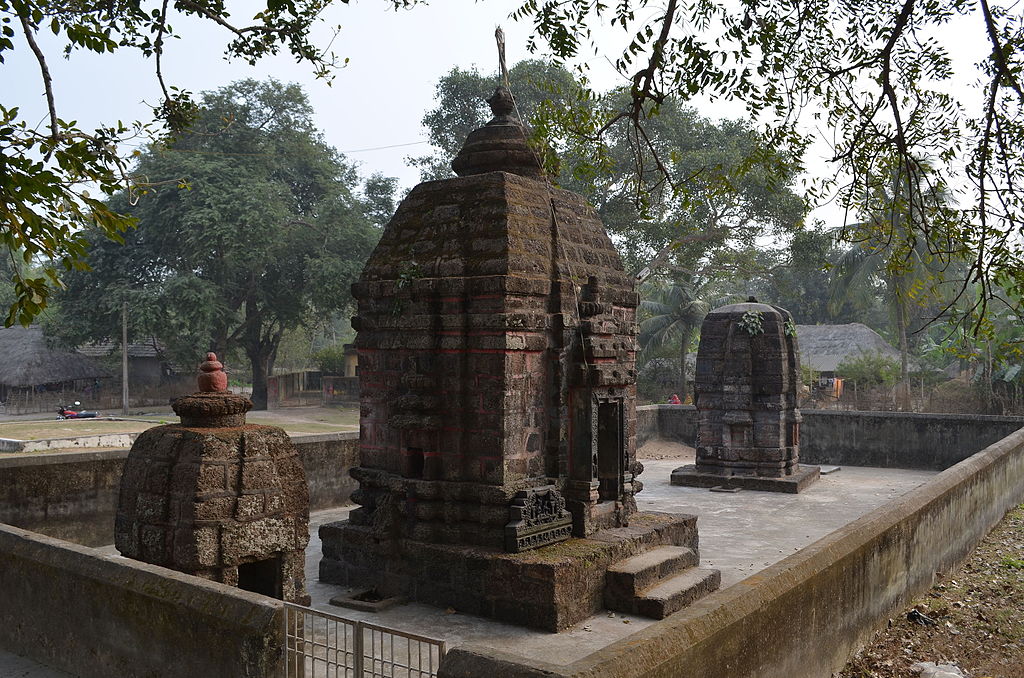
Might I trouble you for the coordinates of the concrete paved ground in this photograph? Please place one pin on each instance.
(740, 534)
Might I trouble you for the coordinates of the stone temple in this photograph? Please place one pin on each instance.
(746, 390)
(216, 497)
(497, 403)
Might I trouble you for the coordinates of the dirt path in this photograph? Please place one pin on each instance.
(665, 449)
(978, 612)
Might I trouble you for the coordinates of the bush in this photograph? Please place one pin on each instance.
(870, 369)
(656, 379)
(331, 360)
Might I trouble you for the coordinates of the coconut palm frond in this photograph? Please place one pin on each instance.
(655, 307)
(657, 331)
(852, 271)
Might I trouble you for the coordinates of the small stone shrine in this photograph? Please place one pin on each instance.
(216, 497)
(748, 424)
(497, 392)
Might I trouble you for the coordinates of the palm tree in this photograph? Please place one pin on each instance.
(857, 271)
(885, 252)
(675, 313)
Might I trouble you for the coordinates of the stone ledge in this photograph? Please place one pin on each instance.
(305, 438)
(550, 588)
(96, 615)
(366, 603)
(689, 476)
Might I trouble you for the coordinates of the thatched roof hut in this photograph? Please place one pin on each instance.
(101, 349)
(824, 347)
(26, 360)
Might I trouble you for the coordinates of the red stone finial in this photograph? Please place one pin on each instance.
(211, 375)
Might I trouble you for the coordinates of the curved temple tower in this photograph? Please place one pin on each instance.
(497, 391)
(748, 424)
(492, 314)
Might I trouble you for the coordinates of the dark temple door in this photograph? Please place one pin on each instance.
(609, 449)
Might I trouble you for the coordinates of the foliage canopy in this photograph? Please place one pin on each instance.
(255, 229)
(724, 202)
(870, 369)
(875, 74)
(46, 174)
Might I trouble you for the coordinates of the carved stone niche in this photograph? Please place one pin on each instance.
(537, 518)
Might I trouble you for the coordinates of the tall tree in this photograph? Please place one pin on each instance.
(47, 172)
(882, 251)
(872, 74)
(798, 276)
(460, 107)
(251, 227)
(702, 204)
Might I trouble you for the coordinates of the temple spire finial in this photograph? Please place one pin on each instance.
(502, 104)
(212, 378)
(501, 145)
(499, 36)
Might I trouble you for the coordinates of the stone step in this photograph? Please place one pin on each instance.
(627, 578)
(677, 592)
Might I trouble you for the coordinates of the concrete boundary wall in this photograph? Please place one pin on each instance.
(804, 616)
(97, 440)
(923, 441)
(73, 495)
(99, 616)
(67, 495)
(913, 440)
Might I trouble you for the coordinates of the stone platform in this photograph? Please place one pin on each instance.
(550, 588)
(689, 476)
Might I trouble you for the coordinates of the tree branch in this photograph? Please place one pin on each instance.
(643, 81)
(158, 50)
(887, 87)
(1002, 68)
(218, 19)
(47, 80)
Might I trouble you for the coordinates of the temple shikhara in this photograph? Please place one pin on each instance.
(746, 389)
(497, 400)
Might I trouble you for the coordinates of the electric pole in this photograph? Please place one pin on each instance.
(124, 358)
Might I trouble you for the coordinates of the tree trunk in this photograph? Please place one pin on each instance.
(987, 380)
(262, 353)
(903, 388)
(259, 361)
(684, 347)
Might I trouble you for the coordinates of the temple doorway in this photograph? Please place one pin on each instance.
(609, 449)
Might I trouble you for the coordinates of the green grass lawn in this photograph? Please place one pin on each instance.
(293, 420)
(69, 428)
(310, 419)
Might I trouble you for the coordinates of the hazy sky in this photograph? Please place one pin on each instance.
(378, 100)
(396, 58)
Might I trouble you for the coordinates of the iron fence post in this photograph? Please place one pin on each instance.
(357, 650)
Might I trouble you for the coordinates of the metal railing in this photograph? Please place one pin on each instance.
(322, 645)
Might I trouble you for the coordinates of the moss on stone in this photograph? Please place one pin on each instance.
(571, 549)
(650, 519)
